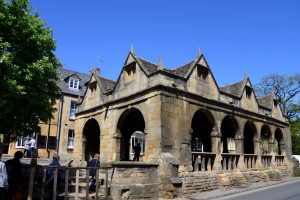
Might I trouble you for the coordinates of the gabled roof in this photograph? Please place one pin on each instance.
(235, 89)
(107, 84)
(63, 85)
(266, 101)
(182, 71)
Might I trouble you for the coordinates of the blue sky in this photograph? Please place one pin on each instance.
(257, 37)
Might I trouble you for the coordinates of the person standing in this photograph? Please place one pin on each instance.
(95, 164)
(50, 177)
(27, 148)
(3, 176)
(137, 151)
(32, 143)
(14, 173)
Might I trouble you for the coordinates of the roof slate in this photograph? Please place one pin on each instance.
(233, 89)
(107, 84)
(266, 101)
(64, 84)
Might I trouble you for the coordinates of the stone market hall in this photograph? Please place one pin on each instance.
(195, 136)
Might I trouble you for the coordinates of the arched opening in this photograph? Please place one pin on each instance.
(249, 133)
(91, 132)
(265, 136)
(130, 122)
(202, 125)
(278, 141)
(229, 127)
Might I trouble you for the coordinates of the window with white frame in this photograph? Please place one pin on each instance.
(73, 107)
(71, 135)
(138, 137)
(20, 143)
(73, 83)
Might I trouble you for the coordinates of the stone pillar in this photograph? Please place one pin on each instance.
(239, 150)
(256, 144)
(216, 146)
(117, 145)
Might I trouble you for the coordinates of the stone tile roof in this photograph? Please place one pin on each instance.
(152, 68)
(107, 84)
(148, 66)
(266, 101)
(63, 82)
(235, 89)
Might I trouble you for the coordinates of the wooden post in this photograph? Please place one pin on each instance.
(106, 183)
(87, 183)
(55, 183)
(31, 179)
(77, 184)
(44, 183)
(97, 183)
(66, 183)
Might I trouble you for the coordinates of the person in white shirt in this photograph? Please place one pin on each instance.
(27, 148)
(3, 176)
(32, 147)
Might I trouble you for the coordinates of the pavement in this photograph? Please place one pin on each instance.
(215, 194)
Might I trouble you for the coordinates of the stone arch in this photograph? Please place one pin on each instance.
(249, 134)
(265, 136)
(130, 121)
(278, 141)
(202, 125)
(91, 135)
(229, 128)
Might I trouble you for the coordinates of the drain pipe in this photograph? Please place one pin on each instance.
(61, 106)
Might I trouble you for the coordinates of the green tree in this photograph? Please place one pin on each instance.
(286, 89)
(295, 134)
(27, 68)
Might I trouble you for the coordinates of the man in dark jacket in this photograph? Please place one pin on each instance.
(94, 164)
(14, 174)
(137, 151)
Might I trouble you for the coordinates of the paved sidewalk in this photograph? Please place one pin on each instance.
(220, 193)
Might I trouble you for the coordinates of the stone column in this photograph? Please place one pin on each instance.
(216, 146)
(256, 144)
(117, 145)
(239, 150)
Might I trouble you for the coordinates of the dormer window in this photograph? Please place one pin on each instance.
(202, 72)
(73, 84)
(248, 91)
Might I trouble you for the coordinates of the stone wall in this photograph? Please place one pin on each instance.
(135, 180)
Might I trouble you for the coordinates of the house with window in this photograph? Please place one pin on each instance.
(58, 134)
(195, 135)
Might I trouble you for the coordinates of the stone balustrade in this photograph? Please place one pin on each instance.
(229, 161)
(266, 160)
(250, 160)
(279, 160)
(203, 161)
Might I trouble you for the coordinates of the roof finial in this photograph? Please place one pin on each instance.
(160, 65)
(199, 52)
(131, 49)
(95, 71)
(245, 75)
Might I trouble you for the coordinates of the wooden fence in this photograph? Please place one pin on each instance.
(74, 185)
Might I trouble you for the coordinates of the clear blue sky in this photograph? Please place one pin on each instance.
(257, 37)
